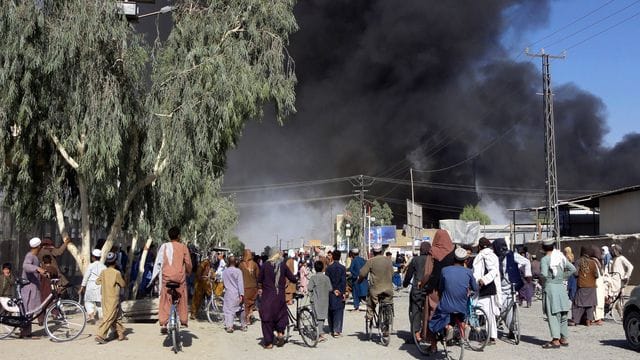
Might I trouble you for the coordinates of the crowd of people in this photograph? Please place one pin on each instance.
(441, 277)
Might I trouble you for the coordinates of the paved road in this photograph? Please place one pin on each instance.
(204, 339)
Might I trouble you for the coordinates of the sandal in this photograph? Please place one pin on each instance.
(564, 342)
(551, 345)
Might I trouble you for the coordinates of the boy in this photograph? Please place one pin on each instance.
(7, 281)
(111, 281)
(319, 287)
(91, 290)
(455, 283)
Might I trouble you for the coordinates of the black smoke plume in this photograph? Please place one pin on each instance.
(387, 85)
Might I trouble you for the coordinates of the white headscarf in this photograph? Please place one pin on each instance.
(557, 259)
(605, 250)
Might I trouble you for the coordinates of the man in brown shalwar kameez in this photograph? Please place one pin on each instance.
(173, 263)
(49, 249)
(439, 256)
(250, 272)
(110, 281)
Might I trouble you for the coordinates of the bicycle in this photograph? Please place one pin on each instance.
(614, 302)
(477, 326)
(453, 342)
(304, 321)
(514, 324)
(173, 327)
(382, 320)
(538, 289)
(64, 320)
(214, 307)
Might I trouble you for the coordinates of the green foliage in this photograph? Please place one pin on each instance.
(135, 135)
(235, 245)
(353, 216)
(474, 213)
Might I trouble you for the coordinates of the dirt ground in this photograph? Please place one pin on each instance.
(203, 339)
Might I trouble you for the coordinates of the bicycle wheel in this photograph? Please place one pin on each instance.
(422, 346)
(385, 324)
(616, 310)
(514, 327)
(308, 327)
(478, 335)
(368, 327)
(214, 309)
(6, 330)
(65, 320)
(174, 330)
(454, 348)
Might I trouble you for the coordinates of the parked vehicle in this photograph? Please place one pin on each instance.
(631, 319)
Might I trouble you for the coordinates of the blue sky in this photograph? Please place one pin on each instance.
(607, 65)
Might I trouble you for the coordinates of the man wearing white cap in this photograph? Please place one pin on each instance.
(91, 290)
(31, 271)
(455, 283)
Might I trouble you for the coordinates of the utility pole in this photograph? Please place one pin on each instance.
(550, 145)
(413, 202)
(362, 182)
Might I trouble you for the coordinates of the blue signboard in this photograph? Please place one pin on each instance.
(382, 234)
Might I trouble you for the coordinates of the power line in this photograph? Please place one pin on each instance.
(287, 185)
(292, 201)
(593, 24)
(571, 23)
(603, 31)
(495, 140)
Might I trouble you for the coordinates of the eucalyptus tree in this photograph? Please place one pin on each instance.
(97, 125)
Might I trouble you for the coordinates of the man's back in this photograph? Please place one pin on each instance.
(380, 270)
(455, 284)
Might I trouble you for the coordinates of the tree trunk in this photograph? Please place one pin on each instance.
(127, 275)
(82, 262)
(143, 259)
(85, 224)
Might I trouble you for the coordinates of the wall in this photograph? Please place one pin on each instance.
(619, 213)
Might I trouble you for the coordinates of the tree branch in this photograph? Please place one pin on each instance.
(64, 152)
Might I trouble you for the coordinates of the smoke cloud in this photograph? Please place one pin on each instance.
(388, 85)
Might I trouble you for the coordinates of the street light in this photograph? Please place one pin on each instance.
(130, 10)
(370, 218)
(347, 233)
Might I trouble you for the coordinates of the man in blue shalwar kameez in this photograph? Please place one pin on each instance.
(360, 290)
(456, 282)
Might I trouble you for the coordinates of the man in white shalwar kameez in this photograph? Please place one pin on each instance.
(486, 270)
(91, 290)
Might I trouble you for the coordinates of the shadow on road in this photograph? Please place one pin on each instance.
(186, 339)
(619, 343)
(532, 340)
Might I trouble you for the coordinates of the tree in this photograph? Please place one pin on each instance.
(100, 137)
(382, 213)
(236, 246)
(353, 216)
(474, 213)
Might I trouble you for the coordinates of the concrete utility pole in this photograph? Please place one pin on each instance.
(550, 144)
(362, 182)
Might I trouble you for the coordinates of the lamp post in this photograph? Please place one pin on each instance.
(370, 219)
(347, 233)
(130, 10)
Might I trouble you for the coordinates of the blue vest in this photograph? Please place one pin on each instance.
(513, 271)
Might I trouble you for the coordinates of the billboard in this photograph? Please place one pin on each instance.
(414, 219)
(382, 234)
